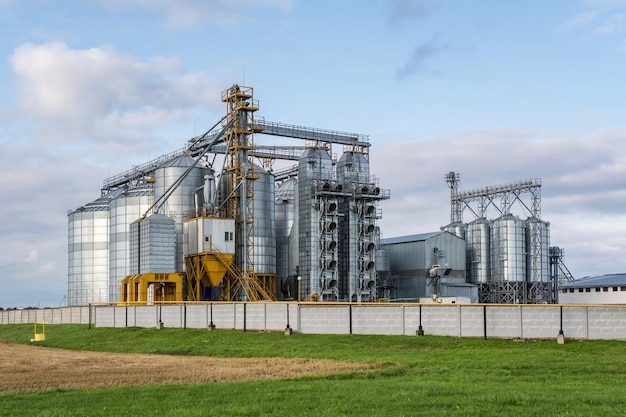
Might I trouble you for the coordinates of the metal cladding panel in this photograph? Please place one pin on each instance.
(353, 167)
(350, 231)
(264, 224)
(457, 229)
(314, 165)
(508, 249)
(182, 199)
(382, 260)
(478, 251)
(206, 234)
(153, 245)
(537, 249)
(407, 256)
(88, 257)
(124, 210)
(285, 212)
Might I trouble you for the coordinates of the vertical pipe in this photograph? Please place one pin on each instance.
(485, 322)
(287, 315)
(420, 329)
(89, 327)
(185, 316)
(244, 317)
(350, 314)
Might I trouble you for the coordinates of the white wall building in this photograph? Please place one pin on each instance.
(604, 289)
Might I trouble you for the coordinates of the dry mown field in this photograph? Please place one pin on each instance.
(33, 368)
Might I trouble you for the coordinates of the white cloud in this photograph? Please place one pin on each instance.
(583, 192)
(613, 26)
(97, 92)
(579, 20)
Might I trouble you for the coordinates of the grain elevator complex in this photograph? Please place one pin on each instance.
(216, 220)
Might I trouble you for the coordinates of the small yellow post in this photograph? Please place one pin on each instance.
(39, 337)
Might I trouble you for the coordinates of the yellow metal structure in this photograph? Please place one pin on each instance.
(39, 337)
(205, 270)
(241, 280)
(152, 288)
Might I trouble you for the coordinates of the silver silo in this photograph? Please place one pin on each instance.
(508, 249)
(537, 248)
(264, 224)
(88, 253)
(182, 199)
(152, 245)
(314, 170)
(457, 229)
(477, 238)
(127, 207)
(286, 236)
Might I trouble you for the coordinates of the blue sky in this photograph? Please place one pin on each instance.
(497, 91)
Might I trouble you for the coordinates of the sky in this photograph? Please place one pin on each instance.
(497, 91)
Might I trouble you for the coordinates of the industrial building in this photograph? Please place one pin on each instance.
(603, 289)
(507, 243)
(217, 220)
(426, 265)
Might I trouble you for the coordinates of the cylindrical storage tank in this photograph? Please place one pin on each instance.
(537, 249)
(285, 213)
(88, 254)
(457, 229)
(182, 199)
(123, 210)
(508, 249)
(264, 224)
(477, 239)
(264, 218)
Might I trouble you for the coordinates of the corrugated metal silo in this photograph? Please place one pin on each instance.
(127, 207)
(477, 239)
(537, 248)
(264, 224)
(88, 253)
(508, 249)
(182, 199)
(152, 245)
(285, 215)
(457, 229)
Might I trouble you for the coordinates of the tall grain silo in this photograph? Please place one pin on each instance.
(314, 172)
(125, 208)
(286, 238)
(477, 238)
(264, 226)
(264, 223)
(88, 253)
(508, 249)
(537, 248)
(182, 199)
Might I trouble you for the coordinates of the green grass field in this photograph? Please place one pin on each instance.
(423, 376)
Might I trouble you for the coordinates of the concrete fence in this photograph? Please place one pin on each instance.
(458, 320)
